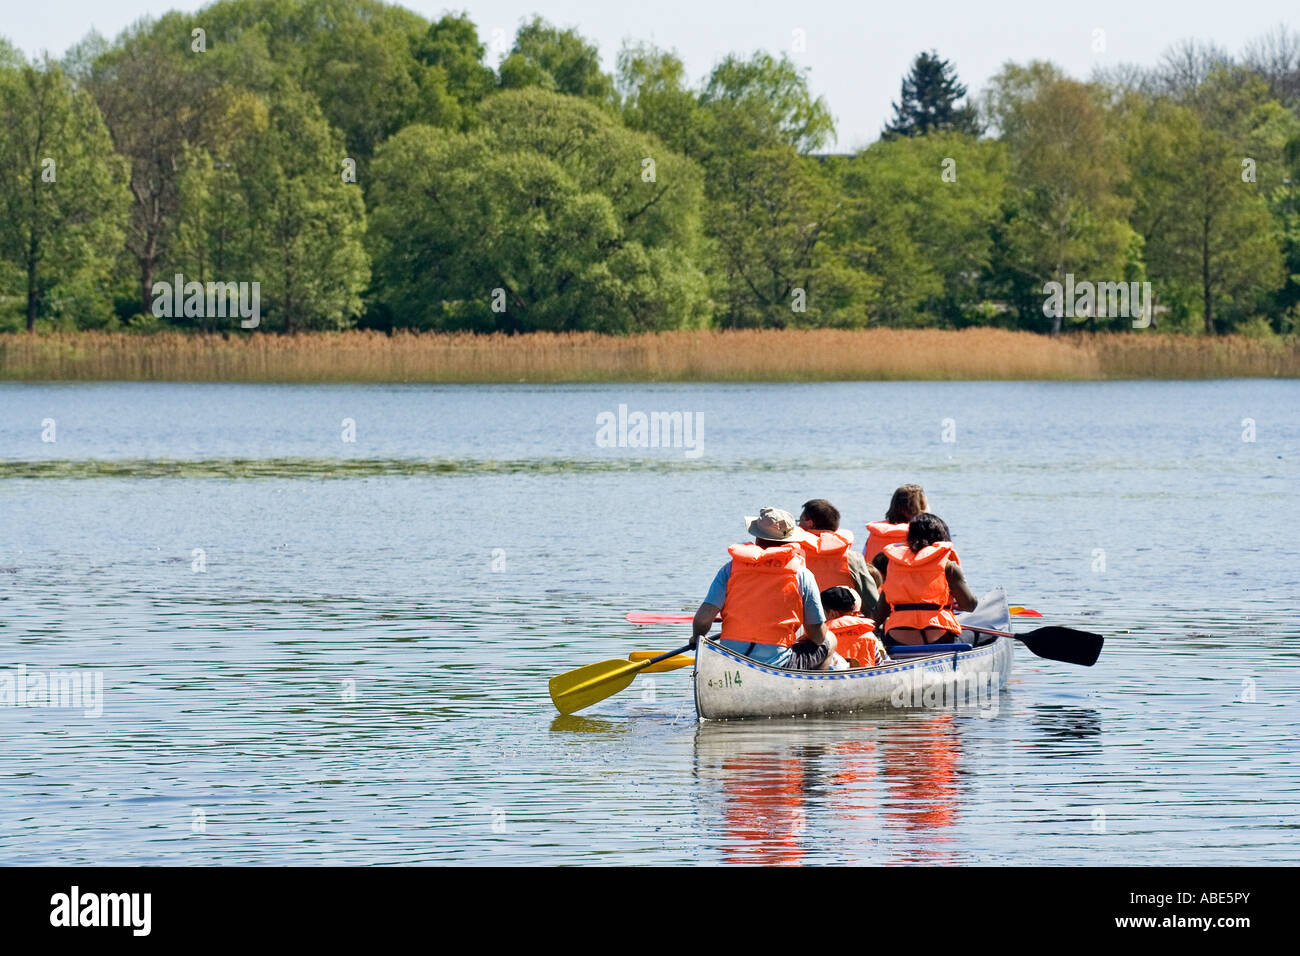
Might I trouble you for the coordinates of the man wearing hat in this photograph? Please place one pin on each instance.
(765, 595)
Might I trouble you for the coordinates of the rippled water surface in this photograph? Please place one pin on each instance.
(353, 668)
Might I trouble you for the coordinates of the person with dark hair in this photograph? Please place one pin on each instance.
(908, 502)
(765, 595)
(855, 637)
(829, 554)
(923, 581)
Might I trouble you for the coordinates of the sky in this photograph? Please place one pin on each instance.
(857, 51)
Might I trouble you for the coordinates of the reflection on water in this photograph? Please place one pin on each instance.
(1078, 725)
(339, 652)
(920, 766)
(882, 789)
(577, 724)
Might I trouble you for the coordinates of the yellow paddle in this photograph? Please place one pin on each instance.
(672, 664)
(585, 686)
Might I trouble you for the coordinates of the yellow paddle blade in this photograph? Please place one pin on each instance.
(585, 686)
(672, 664)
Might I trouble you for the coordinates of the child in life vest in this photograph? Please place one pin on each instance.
(856, 641)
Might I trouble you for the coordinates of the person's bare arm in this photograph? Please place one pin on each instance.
(816, 633)
(961, 592)
(704, 618)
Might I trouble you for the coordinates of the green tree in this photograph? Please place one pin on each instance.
(63, 199)
(920, 220)
(1066, 211)
(765, 101)
(152, 95)
(1208, 233)
(770, 215)
(1286, 201)
(374, 67)
(452, 46)
(559, 60)
(770, 208)
(548, 217)
(310, 224)
(657, 99)
(216, 236)
(928, 101)
(10, 58)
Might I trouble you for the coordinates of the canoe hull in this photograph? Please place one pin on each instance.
(730, 686)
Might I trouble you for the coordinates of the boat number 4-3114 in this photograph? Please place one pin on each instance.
(728, 679)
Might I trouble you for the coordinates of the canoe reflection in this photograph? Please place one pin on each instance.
(921, 762)
(870, 790)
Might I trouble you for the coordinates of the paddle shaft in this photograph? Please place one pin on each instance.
(664, 657)
(1066, 644)
(985, 630)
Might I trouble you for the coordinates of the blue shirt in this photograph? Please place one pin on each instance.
(770, 653)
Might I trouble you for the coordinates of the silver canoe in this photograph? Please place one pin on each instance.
(730, 686)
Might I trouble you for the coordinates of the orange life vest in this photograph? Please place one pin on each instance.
(881, 533)
(826, 555)
(855, 637)
(763, 604)
(916, 587)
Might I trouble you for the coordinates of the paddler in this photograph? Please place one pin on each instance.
(765, 595)
(908, 502)
(923, 582)
(829, 553)
(855, 640)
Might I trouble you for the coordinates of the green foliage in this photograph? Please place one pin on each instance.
(543, 212)
(10, 58)
(1209, 234)
(921, 214)
(63, 197)
(657, 99)
(560, 60)
(268, 203)
(373, 67)
(1067, 214)
(770, 213)
(641, 201)
(928, 101)
(452, 46)
(765, 100)
(152, 96)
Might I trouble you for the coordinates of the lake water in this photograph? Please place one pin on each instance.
(321, 650)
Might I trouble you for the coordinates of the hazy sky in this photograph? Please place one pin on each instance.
(857, 51)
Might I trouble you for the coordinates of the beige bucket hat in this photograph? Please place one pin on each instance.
(772, 524)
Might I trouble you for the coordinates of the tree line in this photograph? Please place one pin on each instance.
(366, 167)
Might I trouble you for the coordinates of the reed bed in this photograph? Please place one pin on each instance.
(691, 356)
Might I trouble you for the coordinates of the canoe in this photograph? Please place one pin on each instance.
(731, 686)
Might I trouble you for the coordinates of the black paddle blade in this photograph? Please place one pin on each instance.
(1064, 644)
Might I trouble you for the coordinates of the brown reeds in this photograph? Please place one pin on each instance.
(721, 356)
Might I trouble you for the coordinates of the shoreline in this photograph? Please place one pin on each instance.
(754, 355)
